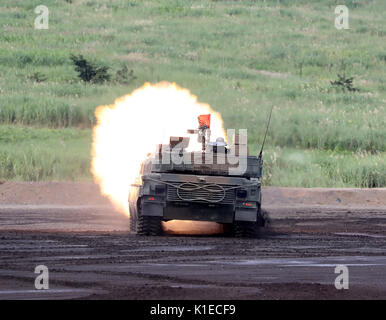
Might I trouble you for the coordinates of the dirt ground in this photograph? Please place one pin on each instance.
(90, 253)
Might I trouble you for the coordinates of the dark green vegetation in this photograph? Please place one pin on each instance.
(240, 57)
(89, 72)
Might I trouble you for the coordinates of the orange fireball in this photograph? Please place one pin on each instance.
(127, 131)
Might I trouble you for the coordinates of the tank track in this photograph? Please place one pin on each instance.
(244, 229)
(149, 226)
(133, 224)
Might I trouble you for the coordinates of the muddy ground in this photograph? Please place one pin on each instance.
(90, 253)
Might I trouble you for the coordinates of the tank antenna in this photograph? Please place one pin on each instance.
(265, 135)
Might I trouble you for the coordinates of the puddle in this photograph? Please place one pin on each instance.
(354, 234)
(316, 262)
(365, 250)
(31, 294)
(332, 265)
(174, 265)
(306, 247)
(49, 291)
(41, 246)
(72, 257)
(192, 286)
(176, 248)
(291, 236)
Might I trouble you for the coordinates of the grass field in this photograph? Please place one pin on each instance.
(241, 57)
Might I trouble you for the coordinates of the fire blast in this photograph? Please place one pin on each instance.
(127, 131)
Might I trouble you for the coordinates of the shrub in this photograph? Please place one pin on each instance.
(124, 75)
(89, 71)
(344, 83)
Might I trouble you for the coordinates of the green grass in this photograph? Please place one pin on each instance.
(44, 154)
(64, 154)
(310, 168)
(241, 57)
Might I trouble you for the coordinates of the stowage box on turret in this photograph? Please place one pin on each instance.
(217, 184)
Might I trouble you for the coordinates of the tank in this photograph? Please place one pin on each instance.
(218, 184)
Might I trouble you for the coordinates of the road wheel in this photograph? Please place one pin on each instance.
(149, 226)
